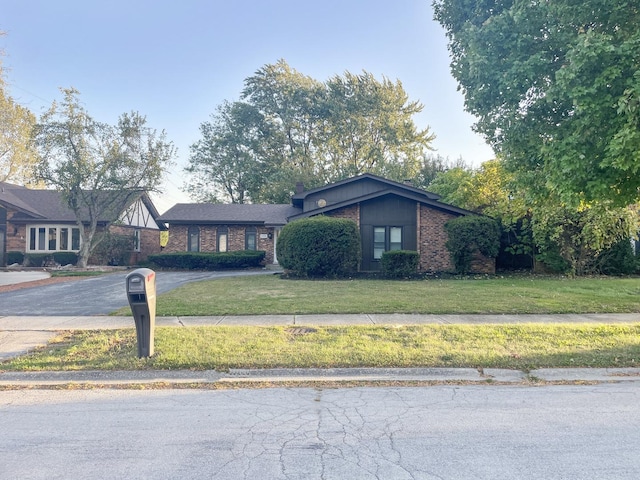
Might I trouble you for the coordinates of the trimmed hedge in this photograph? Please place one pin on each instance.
(65, 258)
(400, 263)
(37, 259)
(15, 257)
(320, 247)
(208, 261)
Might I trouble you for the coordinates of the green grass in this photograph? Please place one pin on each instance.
(498, 346)
(77, 273)
(522, 347)
(274, 295)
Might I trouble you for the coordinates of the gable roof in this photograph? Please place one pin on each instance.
(372, 186)
(218, 214)
(49, 205)
(298, 198)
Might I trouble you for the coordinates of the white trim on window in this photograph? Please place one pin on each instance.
(52, 238)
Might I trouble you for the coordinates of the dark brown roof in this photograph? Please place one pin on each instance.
(49, 206)
(214, 213)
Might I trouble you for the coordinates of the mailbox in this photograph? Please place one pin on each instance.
(141, 293)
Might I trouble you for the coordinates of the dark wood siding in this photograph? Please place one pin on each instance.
(391, 211)
(342, 193)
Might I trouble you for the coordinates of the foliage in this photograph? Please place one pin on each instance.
(99, 168)
(37, 259)
(289, 128)
(65, 258)
(556, 90)
(15, 257)
(225, 163)
(570, 240)
(618, 259)
(112, 249)
(17, 153)
(490, 190)
(320, 247)
(400, 263)
(470, 235)
(209, 261)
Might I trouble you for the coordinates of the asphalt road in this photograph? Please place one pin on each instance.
(94, 295)
(443, 432)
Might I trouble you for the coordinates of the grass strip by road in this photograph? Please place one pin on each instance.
(522, 347)
(270, 294)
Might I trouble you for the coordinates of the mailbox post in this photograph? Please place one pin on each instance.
(141, 293)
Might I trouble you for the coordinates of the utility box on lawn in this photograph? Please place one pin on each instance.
(141, 293)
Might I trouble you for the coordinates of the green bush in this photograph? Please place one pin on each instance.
(400, 263)
(112, 249)
(320, 247)
(37, 259)
(15, 257)
(470, 235)
(65, 258)
(208, 261)
(618, 260)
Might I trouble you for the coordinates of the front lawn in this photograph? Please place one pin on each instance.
(481, 346)
(255, 295)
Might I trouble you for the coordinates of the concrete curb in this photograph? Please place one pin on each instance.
(44, 379)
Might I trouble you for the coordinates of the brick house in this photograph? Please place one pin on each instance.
(38, 221)
(390, 215)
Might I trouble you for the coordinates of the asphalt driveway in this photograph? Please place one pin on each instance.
(95, 295)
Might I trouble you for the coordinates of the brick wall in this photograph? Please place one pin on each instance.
(432, 237)
(16, 242)
(434, 256)
(350, 213)
(209, 239)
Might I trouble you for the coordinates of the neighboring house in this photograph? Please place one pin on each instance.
(38, 221)
(390, 215)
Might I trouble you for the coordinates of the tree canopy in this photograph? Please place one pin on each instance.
(556, 89)
(17, 153)
(288, 127)
(98, 167)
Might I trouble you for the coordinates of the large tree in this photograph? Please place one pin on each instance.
(17, 153)
(290, 128)
(97, 167)
(556, 89)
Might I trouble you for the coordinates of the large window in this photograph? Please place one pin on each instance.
(223, 239)
(193, 239)
(386, 239)
(53, 238)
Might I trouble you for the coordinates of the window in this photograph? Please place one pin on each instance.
(136, 240)
(223, 239)
(193, 239)
(53, 238)
(250, 238)
(385, 239)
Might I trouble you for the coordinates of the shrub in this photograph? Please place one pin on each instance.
(320, 247)
(37, 259)
(208, 261)
(400, 263)
(15, 257)
(618, 260)
(65, 258)
(112, 249)
(470, 235)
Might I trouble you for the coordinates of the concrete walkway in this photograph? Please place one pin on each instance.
(19, 335)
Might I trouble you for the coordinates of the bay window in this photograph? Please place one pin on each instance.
(53, 238)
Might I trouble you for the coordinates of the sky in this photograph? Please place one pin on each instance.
(176, 61)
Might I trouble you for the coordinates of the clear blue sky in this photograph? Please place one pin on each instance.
(176, 61)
